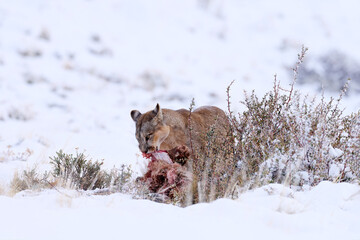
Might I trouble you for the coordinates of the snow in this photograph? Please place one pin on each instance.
(328, 211)
(334, 152)
(71, 72)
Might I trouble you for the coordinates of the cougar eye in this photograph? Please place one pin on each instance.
(148, 137)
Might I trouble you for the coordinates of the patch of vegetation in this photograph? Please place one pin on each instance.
(76, 171)
(288, 138)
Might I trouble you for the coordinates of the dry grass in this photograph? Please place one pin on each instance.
(29, 180)
(2, 189)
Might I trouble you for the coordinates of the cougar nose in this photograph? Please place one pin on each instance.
(143, 149)
(147, 150)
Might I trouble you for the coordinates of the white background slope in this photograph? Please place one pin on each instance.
(71, 71)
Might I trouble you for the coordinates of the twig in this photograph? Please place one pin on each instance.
(54, 187)
(232, 118)
(189, 124)
(300, 60)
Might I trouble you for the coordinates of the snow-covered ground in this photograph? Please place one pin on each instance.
(71, 71)
(328, 211)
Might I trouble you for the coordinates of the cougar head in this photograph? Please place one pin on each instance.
(150, 129)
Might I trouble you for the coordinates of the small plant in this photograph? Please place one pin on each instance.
(119, 179)
(78, 172)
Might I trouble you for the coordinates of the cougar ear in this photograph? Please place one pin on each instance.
(158, 112)
(135, 114)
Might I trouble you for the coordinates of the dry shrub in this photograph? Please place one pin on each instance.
(10, 155)
(287, 138)
(76, 171)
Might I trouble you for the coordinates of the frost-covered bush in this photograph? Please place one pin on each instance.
(285, 137)
(290, 138)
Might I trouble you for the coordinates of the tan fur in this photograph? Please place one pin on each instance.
(164, 129)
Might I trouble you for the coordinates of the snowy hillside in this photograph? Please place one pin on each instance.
(71, 71)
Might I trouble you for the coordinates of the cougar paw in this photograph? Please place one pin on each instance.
(179, 154)
(181, 161)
